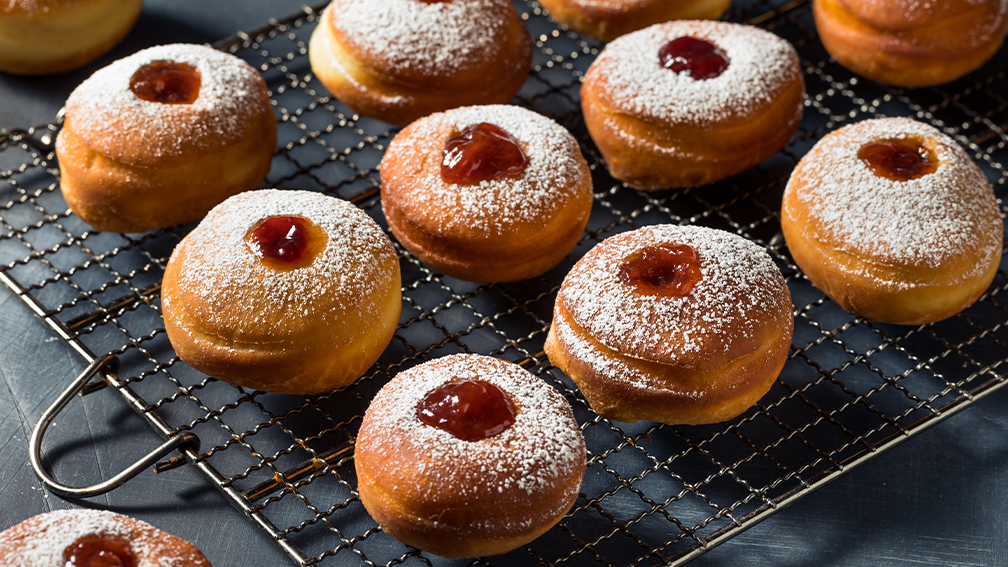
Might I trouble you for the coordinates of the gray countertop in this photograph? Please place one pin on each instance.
(938, 499)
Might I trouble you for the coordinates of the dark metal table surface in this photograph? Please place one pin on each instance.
(938, 499)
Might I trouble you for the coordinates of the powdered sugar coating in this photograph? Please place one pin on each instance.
(42, 540)
(118, 124)
(238, 292)
(583, 349)
(528, 461)
(436, 39)
(556, 173)
(923, 222)
(633, 80)
(739, 291)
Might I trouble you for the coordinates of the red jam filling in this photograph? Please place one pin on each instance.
(666, 269)
(482, 152)
(167, 82)
(898, 160)
(693, 57)
(285, 242)
(99, 551)
(470, 410)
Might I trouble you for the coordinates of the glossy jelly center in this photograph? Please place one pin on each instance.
(470, 410)
(285, 242)
(665, 269)
(167, 82)
(482, 152)
(898, 160)
(693, 57)
(99, 551)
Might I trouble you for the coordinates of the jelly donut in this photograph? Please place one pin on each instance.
(283, 291)
(160, 137)
(88, 538)
(893, 221)
(486, 193)
(674, 324)
(909, 43)
(398, 60)
(40, 37)
(468, 456)
(609, 19)
(685, 103)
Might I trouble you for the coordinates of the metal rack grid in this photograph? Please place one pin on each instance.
(653, 493)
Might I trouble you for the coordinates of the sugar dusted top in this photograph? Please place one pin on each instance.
(118, 124)
(523, 462)
(929, 221)
(234, 291)
(433, 39)
(41, 541)
(740, 290)
(555, 175)
(631, 78)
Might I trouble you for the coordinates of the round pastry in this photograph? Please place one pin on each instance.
(39, 37)
(160, 137)
(674, 324)
(486, 193)
(283, 291)
(893, 221)
(87, 538)
(399, 60)
(909, 43)
(468, 456)
(609, 19)
(685, 103)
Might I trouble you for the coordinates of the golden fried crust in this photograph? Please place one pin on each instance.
(701, 358)
(657, 129)
(449, 535)
(503, 230)
(653, 156)
(853, 282)
(458, 498)
(310, 363)
(304, 331)
(911, 46)
(908, 14)
(464, 258)
(949, 247)
(42, 540)
(608, 19)
(116, 196)
(40, 6)
(375, 85)
(41, 37)
(687, 395)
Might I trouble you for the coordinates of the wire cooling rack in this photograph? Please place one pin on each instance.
(653, 493)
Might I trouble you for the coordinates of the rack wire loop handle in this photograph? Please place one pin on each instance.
(109, 363)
